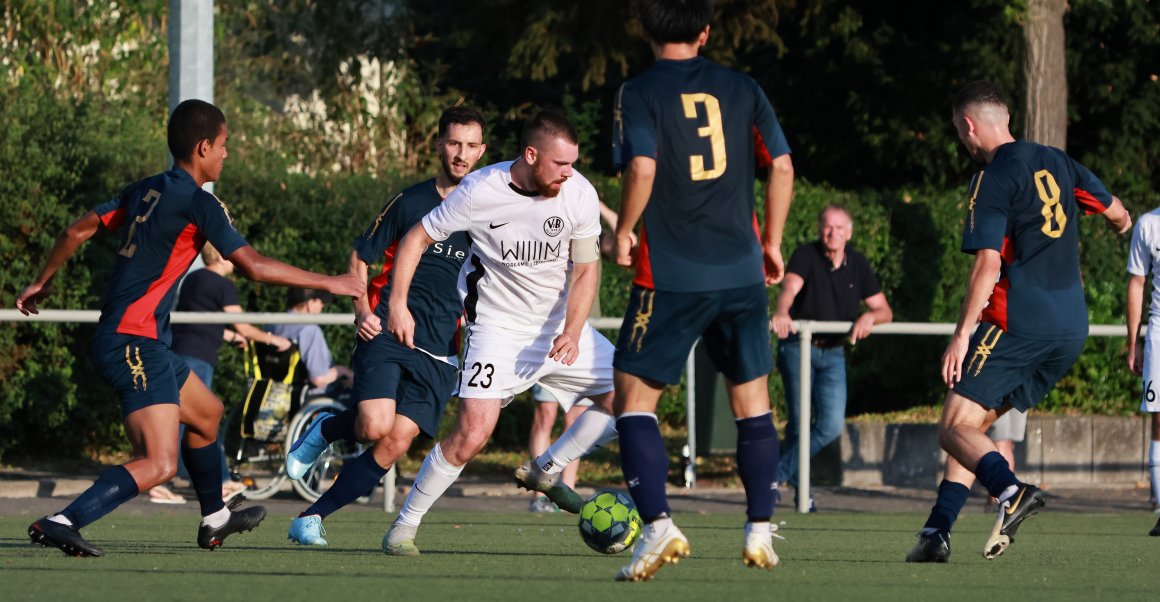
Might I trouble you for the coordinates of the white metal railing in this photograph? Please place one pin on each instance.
(805, 328)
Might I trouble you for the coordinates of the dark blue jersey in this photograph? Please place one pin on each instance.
(433, 298)
(1025, 204)
(696, 119)
(166, 220)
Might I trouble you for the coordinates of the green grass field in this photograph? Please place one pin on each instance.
(481, 556)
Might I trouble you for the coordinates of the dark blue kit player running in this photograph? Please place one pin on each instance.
(1025, 295)
(163, 221)
(684, 132)
(400, 391)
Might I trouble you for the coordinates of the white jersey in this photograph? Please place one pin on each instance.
(517, 274)
(1144, 257)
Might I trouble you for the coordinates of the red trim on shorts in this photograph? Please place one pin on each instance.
(140, 318)
(644, 276)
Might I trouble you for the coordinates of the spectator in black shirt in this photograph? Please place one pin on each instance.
(826, 281)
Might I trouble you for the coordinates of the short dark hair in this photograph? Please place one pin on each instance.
(460, 116)
(548, 122)
(978, 92)
(298, 296)
(674, 21)
(191, 122)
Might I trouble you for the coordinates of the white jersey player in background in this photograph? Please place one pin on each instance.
(529, 220)
(1144, 257)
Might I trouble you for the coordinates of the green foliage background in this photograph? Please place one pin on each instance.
(861, 88)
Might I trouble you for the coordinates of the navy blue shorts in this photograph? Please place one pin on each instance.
(1004, 369)
(660, 328)
(419, 383)
(141, 370)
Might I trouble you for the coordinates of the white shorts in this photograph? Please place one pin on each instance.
(1010, 426)
(1150, 400)
(500, 363)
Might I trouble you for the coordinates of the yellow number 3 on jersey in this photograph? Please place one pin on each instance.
(712, 130)
(1049, 194)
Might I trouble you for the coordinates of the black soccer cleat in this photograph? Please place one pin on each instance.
(65, 538)
(931, 547)
(240, 520)
(1024, 504)
(1155, 532)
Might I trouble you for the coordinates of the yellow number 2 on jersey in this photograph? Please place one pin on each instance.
(712, 130)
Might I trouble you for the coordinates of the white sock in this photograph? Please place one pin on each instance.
(657, 527)
(1153, 468)
(62, 519)
(435, 476)
(1008, 493)
(217, 519)
(591, 430)
(761, 529)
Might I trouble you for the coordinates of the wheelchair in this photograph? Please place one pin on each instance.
(258, 432)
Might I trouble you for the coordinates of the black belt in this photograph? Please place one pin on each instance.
(827, 343)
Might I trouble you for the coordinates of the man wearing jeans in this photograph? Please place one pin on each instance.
(824, 281)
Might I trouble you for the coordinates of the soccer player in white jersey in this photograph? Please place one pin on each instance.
(1144, 257)
(531, 222)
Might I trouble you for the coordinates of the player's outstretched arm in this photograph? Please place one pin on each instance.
(984, 274)
(400, 322)
(66, 245)
(1118, 217)
(778, 198)
(635, 190)
(259, 268)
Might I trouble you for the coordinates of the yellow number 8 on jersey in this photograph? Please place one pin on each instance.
(1049, 194)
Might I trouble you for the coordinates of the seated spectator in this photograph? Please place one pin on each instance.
(325, 377)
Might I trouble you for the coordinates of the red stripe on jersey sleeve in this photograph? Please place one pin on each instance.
(375, 287)
(644, 276)
(113, 219)
(1089, 203)
(760, 153)
(140, 317)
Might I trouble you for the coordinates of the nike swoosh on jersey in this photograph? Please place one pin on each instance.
(494, 226)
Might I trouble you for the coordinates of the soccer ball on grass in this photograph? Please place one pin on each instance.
(609, 522)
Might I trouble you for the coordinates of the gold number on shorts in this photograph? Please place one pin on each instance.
(1052, 208)
(131, 247)
(712, 130)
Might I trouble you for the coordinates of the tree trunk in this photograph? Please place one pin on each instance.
(1045, 120)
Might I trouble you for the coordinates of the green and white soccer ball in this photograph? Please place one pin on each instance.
(609, 522)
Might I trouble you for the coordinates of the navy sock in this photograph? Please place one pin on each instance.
(205, 474)
(356, 479)
(951, 499)
(995, 474)
(757, 456)
(114, 487)
(645, 464)
(340, 427)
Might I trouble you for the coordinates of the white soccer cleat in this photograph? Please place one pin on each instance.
(758, 550)
(654, 552)
(306, 449)
(399, 540)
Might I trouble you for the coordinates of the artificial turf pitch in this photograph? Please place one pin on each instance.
(518, 556)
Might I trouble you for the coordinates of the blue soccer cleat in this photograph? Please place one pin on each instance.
(307, 531)
(306, 449)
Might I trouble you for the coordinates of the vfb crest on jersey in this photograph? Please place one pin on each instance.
(553, 226)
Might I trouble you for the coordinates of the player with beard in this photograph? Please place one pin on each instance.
(532, 222)
(401, 391)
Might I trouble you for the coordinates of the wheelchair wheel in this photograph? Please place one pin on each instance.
(260, 465)
(322, 475)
